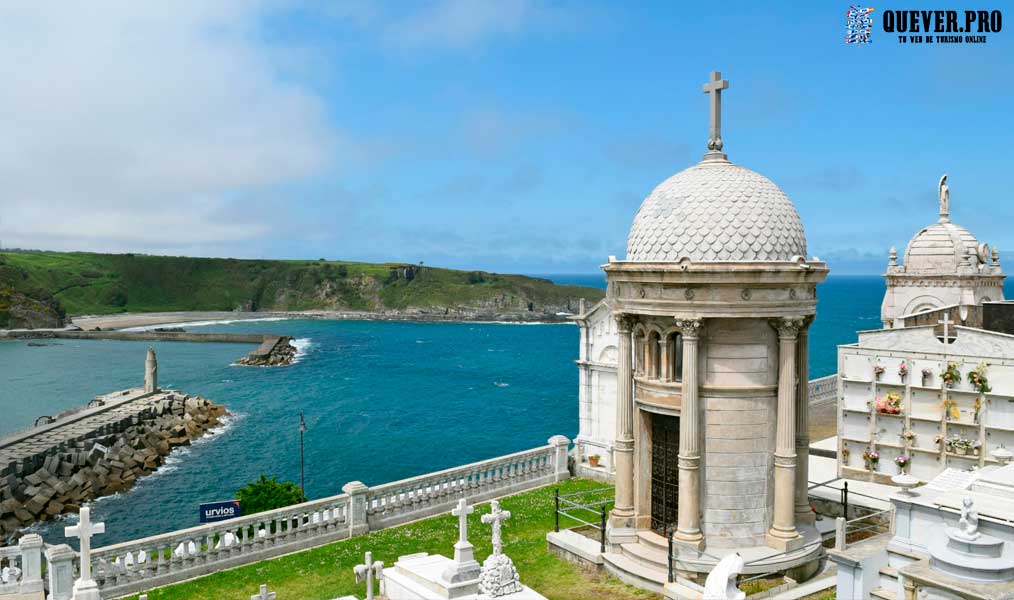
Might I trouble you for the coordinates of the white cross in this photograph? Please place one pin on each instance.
(715, 87)
(946, 321)
(84, 530)
(367, 571)
(264, 594)
(462, 512)
(495, 517)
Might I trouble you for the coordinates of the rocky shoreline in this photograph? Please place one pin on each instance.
(103, 462)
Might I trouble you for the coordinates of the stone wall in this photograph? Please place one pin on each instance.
(52, 470)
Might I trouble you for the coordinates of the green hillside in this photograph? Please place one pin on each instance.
(85, 283)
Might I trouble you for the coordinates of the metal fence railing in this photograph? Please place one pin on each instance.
(587, 508)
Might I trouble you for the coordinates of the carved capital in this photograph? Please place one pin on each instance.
(690, 328)
(788, 327)
(624, 322)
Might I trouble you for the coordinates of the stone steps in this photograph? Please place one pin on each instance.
(630, 571)
(888, 578)
(653, 540)
(883, 594)
(649, 556)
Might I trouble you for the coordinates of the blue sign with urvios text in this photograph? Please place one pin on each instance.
(212, 512)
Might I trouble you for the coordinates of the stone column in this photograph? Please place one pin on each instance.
(803, 512)
(622, 516)
(688, 520)
(665, 369)
(783, 535)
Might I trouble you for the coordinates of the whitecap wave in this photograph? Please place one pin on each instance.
(303, 346)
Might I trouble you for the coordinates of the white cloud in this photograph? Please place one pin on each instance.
(146, 125)
(458, 24)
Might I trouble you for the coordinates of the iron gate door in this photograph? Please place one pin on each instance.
(665, 445)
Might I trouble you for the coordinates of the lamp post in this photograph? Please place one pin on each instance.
(302, 480)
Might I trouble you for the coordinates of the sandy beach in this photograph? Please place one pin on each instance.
(129, 320)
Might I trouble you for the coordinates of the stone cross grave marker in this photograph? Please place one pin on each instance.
(499, 577)
(85, 587)
(367, 571)
(715, 87)
(464, 567)
(264, 594)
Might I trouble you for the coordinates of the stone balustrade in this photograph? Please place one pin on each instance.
(21, 567)
(823, 390)
(139, 565)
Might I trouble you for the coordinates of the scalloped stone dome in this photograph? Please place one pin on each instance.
(716, 211)
(940, 248)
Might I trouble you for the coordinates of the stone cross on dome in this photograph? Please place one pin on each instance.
(714, 87)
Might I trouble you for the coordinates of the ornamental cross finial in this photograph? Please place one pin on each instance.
(714, 87)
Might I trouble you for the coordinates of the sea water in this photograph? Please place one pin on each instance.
(382, 400)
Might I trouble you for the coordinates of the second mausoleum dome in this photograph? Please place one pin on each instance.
(940, 249)
(716, 211)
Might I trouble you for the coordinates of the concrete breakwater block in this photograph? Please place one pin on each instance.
(69, 470)
(274, 351)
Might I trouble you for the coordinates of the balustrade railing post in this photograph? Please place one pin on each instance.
(839, 533)
(561, 469)
(556, 513)
(602, 530)
(31, 563)
(357, 492)
(60, 569)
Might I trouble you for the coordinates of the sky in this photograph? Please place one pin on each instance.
(509, 135)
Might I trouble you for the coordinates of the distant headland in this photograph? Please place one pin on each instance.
(39, 289)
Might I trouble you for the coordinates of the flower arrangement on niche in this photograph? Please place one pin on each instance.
(963, 446)
(977, 377)
(845, 455)
(871, 458)
(878, 370)
(903, 370)
(977, 406)
(950, 376)
(951, 410)
(902, 462)
(927, 374)
(908, 436)
(889, 404)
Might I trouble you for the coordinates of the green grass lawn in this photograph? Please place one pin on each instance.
(326, 572)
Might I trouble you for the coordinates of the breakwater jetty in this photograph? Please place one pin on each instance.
(99, 450)
(272, 350)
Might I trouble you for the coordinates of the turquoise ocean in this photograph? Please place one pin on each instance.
(383, 400)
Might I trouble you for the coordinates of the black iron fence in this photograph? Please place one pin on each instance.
(584, 509)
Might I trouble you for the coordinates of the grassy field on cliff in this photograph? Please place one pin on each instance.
(87, 283)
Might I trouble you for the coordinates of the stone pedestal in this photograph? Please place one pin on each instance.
(464, 567)
(982, 558)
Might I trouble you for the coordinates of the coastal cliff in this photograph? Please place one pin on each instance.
(86, 283)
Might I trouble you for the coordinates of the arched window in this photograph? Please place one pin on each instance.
(676, 356)
(654, 356)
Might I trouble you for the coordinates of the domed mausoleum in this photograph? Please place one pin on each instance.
(944, 265)
(712, 306)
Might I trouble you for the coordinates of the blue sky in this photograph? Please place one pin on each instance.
(514, 136)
